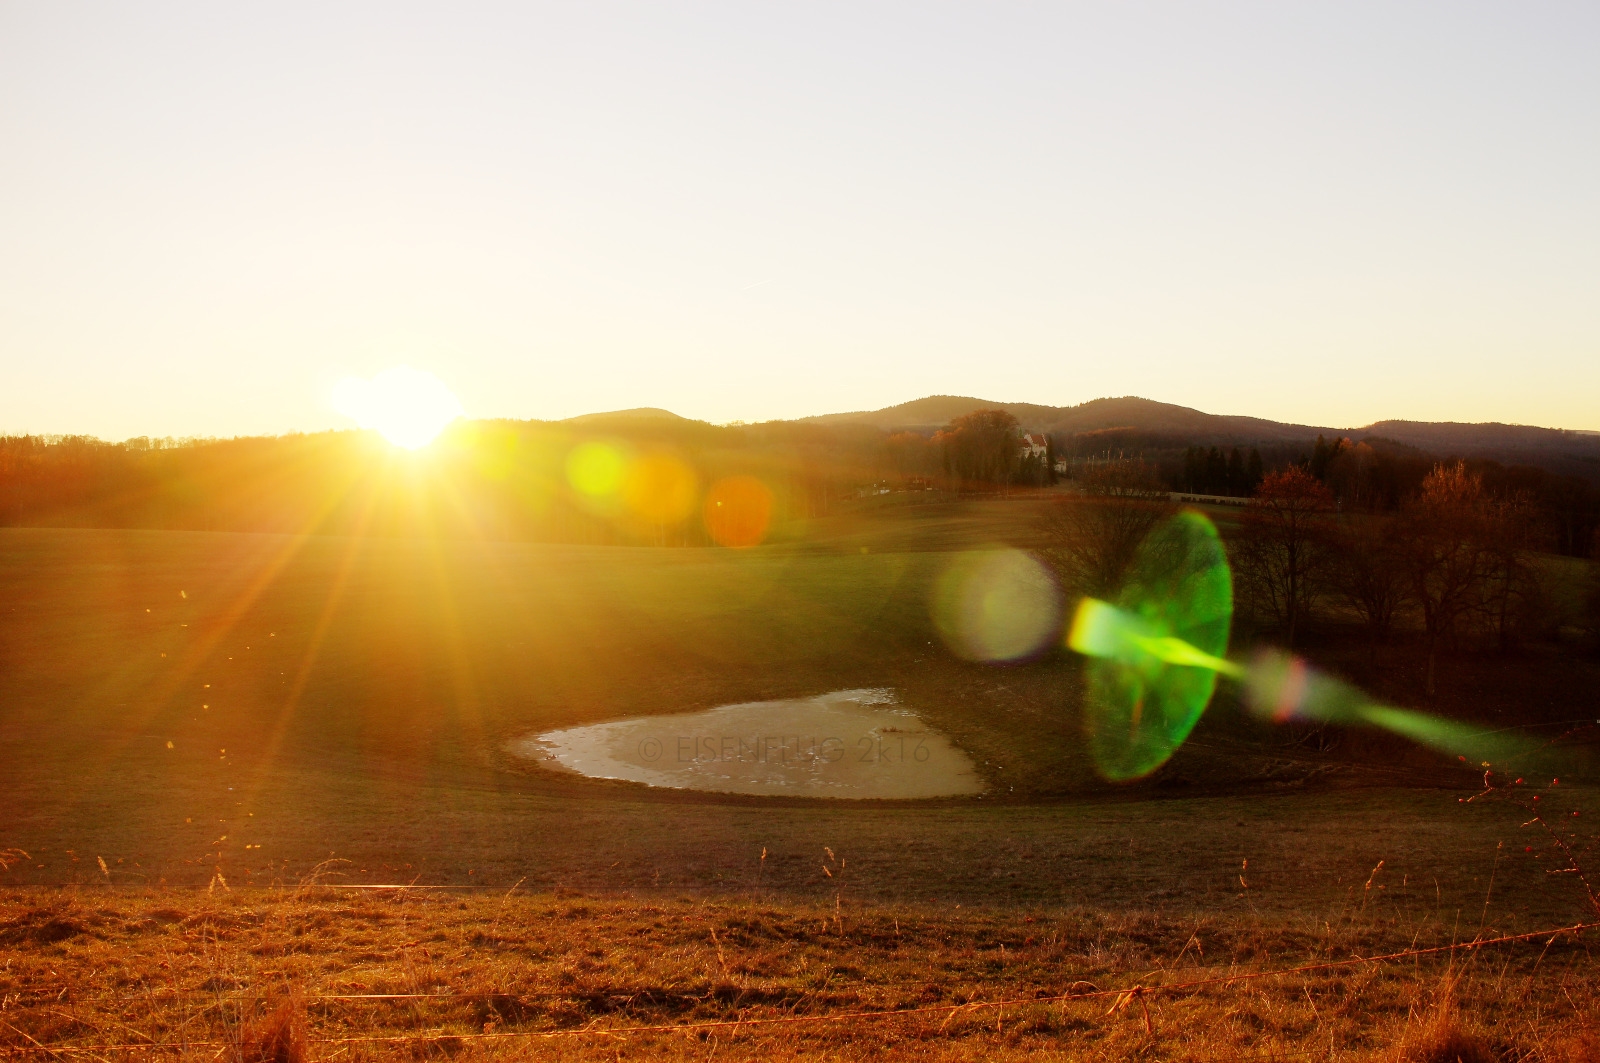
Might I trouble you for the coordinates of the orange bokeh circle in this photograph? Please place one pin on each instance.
(738, 511)
(660, 489)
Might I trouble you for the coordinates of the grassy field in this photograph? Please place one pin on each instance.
(233, 711)
(262, 974)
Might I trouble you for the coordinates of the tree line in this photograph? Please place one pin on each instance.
(508, 478)
(1381, 477)
(1457, 559)
(1208, 471)
(1457, 555)
(495, 479)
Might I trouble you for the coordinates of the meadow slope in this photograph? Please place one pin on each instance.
(235, 724)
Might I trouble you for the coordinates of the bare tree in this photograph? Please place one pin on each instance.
(1369, 574)
(1446, 532)
(1512, 594)
(1591, 602)
(1095, 534)
(1283, 551)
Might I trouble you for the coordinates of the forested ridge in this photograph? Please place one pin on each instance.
(514, 479)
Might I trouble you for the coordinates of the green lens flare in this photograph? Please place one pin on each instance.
(1284, 687)
(1157, 651)
(1278, 686)
(1102, 630)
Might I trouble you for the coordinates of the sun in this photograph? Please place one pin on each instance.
(408, 407)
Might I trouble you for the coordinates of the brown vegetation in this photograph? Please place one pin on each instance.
(503, 480)
(1282, 551)
(290, 975)
(981, 448)
(1368, 574)
(1093, 534)
(1456, 562)
(257, 703)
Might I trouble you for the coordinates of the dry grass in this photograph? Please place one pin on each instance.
(1442, 1035)
(277, 1035)
(352, 702)
(276, 975)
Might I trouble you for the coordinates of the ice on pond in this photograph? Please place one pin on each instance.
(845, 744)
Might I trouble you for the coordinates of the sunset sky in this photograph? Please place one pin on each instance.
(1327, 213)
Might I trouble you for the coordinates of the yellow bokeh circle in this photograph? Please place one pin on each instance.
(997, 605)
(596, 469)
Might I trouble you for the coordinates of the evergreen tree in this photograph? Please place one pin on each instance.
(1322, 456)
(1191, 469)
(1216, 472)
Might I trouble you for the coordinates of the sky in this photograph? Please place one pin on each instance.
(1326, 213)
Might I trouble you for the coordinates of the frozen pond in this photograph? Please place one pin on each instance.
(849, 743)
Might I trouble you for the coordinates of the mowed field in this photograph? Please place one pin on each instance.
(271, 717)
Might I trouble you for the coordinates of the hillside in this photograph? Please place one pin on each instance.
(1573, 453)
(1144, 415)
(1559, 450)
(642, 413)
(935, 411)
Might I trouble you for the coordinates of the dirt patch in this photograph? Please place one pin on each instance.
(847, 744)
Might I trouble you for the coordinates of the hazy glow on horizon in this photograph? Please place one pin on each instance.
(406, 406)
(1326, 213)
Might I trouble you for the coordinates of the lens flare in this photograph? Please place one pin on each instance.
(997, 605)
(1140, 667)
(494, 450)
(660, 489)
(596, 469)
(406, 406)
(1156, 653)
(1278, 686)
(1102, 630)
(1283, 687)
(738, 511)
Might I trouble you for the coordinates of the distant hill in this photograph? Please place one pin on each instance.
(1143, 415)
(1559, 450)
(1133, 422)
(642, 413)
(936, 411)
(1555, 449)
(1454, 435)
